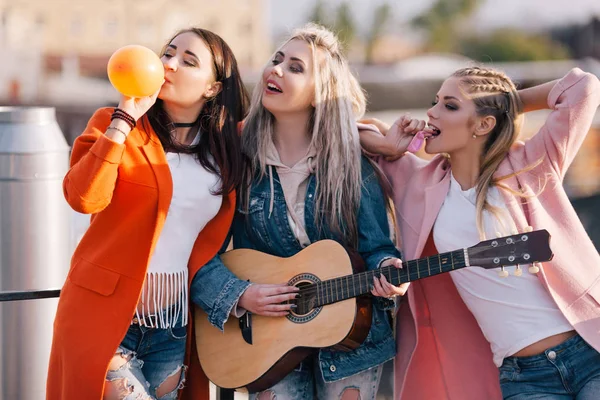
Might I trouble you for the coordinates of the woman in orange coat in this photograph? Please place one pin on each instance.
(158, 177)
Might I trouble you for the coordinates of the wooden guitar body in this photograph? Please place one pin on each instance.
(280, 344)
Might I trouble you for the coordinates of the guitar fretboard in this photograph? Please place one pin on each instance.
(349, 286)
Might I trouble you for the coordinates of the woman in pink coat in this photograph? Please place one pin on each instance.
(462, 333)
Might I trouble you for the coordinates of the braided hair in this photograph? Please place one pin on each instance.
(493, 94)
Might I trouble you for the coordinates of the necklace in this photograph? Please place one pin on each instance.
(183, 124)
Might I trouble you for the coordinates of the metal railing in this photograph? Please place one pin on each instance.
(222, 394)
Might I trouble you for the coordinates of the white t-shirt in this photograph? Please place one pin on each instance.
(512, 312)
(192, 207)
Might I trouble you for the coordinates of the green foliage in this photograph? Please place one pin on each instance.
(319, 14)
(381, 19)
(441, 21)
(344, 25)
(443, 12)
(512, 45)
(444, 20)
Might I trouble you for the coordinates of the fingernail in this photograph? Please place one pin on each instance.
(294, 306)
(298, 295)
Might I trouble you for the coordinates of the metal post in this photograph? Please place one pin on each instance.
(35, 243)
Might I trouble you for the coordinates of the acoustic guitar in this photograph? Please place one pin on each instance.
(333, 309)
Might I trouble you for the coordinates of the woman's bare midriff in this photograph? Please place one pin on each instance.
(544, 344)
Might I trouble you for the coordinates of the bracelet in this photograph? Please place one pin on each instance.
(118, 129)
(124, 116)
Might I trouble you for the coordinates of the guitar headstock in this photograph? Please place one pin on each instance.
(525, 248)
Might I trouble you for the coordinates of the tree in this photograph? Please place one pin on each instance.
(442, 20)
(381, 18)
(319, 14)
(512, 45)
(344, 25)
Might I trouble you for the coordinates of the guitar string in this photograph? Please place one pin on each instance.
(385, 270)
(325, 287)
(322, 286)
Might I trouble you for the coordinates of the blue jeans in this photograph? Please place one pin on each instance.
(306, 383)
(569, 371)
(154, 355)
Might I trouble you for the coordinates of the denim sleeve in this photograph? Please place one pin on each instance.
(216, 289)
(374, 243)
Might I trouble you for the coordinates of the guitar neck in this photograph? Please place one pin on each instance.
(349, 286)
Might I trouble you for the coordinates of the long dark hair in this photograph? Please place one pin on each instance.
(218, 118)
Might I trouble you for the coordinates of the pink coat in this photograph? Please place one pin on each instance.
(442, 353)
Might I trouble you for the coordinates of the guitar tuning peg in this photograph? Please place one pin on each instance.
(514, 232)
(535, 268)
(528, 229)
(499, 235)
(503, 273)
(518, 271)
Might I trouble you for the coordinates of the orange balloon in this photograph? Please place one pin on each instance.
(135, 71)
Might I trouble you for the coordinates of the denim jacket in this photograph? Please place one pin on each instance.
(216, 289)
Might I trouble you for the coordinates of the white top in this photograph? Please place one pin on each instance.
(192, 207)
(512, 312)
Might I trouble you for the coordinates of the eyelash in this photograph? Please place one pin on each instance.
(448, 106)
(294, 69)
(188, 63)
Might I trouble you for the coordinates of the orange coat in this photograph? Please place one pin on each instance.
(127, 188)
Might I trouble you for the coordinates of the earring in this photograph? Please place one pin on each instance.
(474, 136)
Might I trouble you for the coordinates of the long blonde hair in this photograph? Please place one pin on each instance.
(493, 93)
(339, 101)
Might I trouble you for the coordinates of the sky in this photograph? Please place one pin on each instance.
(529, 14)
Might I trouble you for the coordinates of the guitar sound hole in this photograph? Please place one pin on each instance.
(306, 307)
(303, 303)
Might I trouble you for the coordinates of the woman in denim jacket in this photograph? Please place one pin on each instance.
(304, 155)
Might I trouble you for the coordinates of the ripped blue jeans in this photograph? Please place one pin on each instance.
(306, 383)
(153, 355)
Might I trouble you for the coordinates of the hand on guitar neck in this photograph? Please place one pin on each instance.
(381, 286)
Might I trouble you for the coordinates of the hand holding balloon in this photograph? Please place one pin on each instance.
(138, 74)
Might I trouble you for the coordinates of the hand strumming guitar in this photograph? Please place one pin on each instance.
(267, 299)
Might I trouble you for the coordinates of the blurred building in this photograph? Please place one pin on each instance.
(392, 48)
(21, 59)
(94, 28)
(77, 38)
